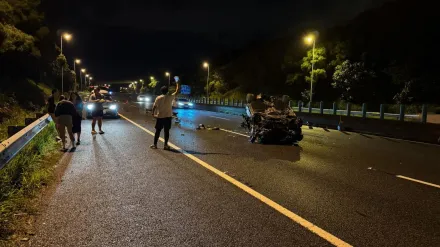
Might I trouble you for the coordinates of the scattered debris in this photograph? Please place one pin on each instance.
(25, 239)
(182, 134)
(216, 128)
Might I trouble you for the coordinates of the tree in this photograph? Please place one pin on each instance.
(318, 59)
(217, 86)
(355, 81)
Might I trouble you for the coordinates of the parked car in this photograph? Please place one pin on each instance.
(182, 103)
(111, 106)
(144, 98)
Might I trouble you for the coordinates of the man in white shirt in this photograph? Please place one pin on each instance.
(163, 112)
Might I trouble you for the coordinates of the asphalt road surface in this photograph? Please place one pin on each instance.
(217, 189)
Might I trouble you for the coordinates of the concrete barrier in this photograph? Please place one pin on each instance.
(413, 131)
(238, 111)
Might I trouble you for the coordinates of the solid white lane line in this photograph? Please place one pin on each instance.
(296, 218)
(220, 118)
(406, 178)
(236, 133)
(419, 181)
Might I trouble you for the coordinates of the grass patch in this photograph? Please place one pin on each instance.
(21, 180)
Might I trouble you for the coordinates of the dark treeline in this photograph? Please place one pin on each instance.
(29, 53)
(384, 55)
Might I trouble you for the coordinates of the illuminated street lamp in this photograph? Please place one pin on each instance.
(206, 65)
(80, 76)
(169, 78)
(67, 37)
(76, 61)
(85, 78)
(311, 40)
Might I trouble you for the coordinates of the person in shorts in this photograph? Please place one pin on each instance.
(163, 112)
(51, 109)
(64, 112)
(98, 110)
(79, 105)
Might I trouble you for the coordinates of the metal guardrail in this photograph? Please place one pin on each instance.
(12, 146)
(402, 116)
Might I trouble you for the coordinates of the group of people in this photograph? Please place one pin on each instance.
(68, 114)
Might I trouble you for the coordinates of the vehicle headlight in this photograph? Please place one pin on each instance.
(90, 107)
(147, 99)
(112, 107)
(190, 104)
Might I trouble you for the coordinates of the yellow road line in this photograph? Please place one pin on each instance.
(296, 218)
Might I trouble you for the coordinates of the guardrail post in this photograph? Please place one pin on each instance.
(402, 112)
(300, 106)
(364, 110)
(348, 109)
(424, 113)
(12, 130)
(382, 112)
(28, 121)
(310, 107)
(335, 108)
(321, 107)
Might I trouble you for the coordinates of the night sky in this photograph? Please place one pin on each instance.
(128, 39)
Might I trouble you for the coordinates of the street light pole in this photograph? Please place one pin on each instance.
(81, 80)
(169, 78)
(206, 65)
(62, 68)
(67, 37)
(311, 76)
(311, 40)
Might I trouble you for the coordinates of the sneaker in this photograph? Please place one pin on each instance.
(166, 147)
(94, 132)
(78, 143)
(153, 146)
(101, 132)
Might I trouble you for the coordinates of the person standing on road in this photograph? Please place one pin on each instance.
(163, 112)
(51, 109)
(98, 110)
(79, 105)
(64, 112)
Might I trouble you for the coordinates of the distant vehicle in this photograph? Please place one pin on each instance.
(182, 103)
(110, 106)
(144, 98)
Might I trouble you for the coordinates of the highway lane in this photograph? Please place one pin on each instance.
(118, 192)
(326, 179)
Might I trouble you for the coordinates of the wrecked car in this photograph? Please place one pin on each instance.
(270, 120)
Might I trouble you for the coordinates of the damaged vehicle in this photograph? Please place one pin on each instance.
(270, 120)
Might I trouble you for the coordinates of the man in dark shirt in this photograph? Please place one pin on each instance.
(98, 111)
(64, 112)
(51, 108)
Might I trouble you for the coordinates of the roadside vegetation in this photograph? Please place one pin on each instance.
(368, 59)
(20, 183)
